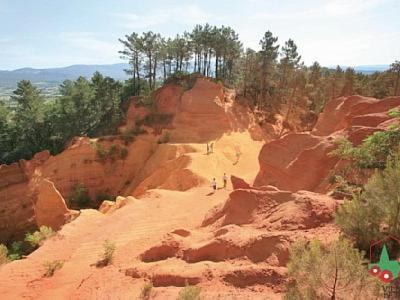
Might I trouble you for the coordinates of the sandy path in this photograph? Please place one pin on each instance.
(133, 229)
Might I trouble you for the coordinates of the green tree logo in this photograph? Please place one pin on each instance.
(386, 270)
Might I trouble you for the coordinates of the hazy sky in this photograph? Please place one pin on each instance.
(50, 33)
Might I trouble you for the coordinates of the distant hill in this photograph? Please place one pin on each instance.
(369, 69)
(55, 76)
(366, 69)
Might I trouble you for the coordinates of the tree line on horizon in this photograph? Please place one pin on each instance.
(272, 76)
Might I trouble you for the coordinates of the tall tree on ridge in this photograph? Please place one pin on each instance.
(395, 68)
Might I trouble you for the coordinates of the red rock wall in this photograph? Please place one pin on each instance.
(302, 161)
(16, 208)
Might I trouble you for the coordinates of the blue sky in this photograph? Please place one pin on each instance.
(51, 33)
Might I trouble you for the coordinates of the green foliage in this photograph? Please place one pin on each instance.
(374, 150)
(128, 136)
(321, 272)
(37, 238)
(146, 291)
(190, 292)
(115, 151)
(84, 107)
(79, 196)
(184, 79)
(16, 250)
(101, 153)
(375, 213)
(343, 187)
(3, 254)
(164, 139)
(102, 195)
(108, 253)
(51, 267)
(158, 118)
(124, 152)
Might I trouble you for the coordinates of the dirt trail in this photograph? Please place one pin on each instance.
(133, 228)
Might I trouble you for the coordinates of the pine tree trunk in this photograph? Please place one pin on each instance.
(154, 72)
(165, 71)
(216, 66)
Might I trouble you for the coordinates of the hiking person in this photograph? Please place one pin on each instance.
(214, 185)
(225, 180)
(208, 149)
(212, 147)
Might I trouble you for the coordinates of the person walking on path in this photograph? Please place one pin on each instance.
(208, 149)
(214, 185)
(225, 180)
(212, 147)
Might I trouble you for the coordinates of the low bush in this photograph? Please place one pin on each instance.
(164, 139)
(79, 196)
(102, 195)
(184, 79)
(375, 212)
(335, 271)
(374, 150)
(3, 254)
(123, 153)
(37, 238)
(146, 291)
(108, 253)
(190, 292)
(51, 267)
(129, 135)
(101, 153)
(157, 118)
(16, 250)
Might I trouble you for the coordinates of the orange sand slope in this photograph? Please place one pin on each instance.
(134, 228)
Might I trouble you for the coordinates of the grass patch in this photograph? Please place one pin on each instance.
(129, 135)
(146, 291)
(79, 196)
(164, 139)
(3, 255)
(190, 292)
(108, 253)
(51, 267)
(37, 238)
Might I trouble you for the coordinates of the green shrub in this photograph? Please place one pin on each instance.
(164, 139)
(374, 213)
(101, 153)
(51, 267)
(79, 196)
(374, 150)
(108, 253)
(114, 152)
(184, 79)
(158, 118)
(3, 254)
(102, 195)
(146, 291)
(336, 271)
(124, 153)
(190, 292)
(37, 238)
(129, 135)
(16, 250)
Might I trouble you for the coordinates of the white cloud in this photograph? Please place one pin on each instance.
(89, 41)
(349, 7)
(186, 14)
(320, 9)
